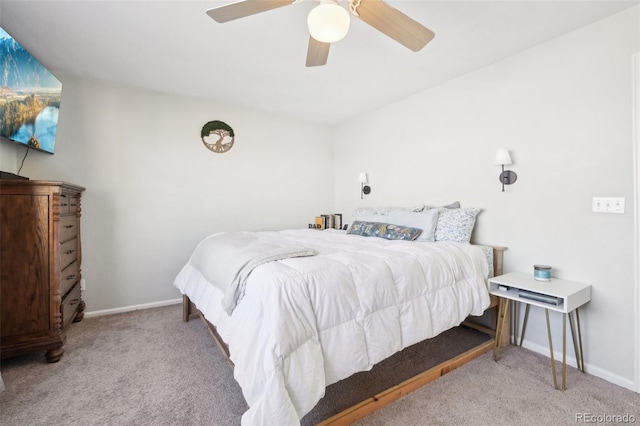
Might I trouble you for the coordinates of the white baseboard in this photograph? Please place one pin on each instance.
(591, 369)
(131, 308)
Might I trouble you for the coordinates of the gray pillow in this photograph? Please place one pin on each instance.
(454, 205)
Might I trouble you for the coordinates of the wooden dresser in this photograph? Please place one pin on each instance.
(40, 257)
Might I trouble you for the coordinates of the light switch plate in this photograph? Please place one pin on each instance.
(608, 205)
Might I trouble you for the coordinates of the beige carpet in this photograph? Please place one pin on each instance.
(517, 390)
(149, 368)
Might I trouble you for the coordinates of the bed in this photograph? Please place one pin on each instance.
(297, 310)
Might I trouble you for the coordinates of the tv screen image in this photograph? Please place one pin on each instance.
(29, 97)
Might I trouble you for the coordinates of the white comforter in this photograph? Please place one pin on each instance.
(305, 323)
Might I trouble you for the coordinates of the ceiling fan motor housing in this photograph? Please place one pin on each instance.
(328, 22)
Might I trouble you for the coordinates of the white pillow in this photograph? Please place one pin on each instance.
(369, 217)
(425, 220)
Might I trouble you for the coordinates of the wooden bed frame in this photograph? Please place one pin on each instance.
(392, 394)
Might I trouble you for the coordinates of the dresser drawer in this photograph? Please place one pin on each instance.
(74, 204)
(70, 305)
(64, 204)
(68, 253)
(68, 277)
(68, 228)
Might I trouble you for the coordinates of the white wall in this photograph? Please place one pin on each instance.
(636, 132)
(8, 152)
(154, 190)
(563, 108)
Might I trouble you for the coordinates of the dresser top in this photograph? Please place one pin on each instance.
(33, 183)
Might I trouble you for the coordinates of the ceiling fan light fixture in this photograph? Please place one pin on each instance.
(328, 22)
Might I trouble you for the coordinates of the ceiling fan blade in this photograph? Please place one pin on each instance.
(317, 53)
(244, 8)
(394, 24)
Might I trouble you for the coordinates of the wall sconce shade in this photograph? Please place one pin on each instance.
(503, 157)
(364, 189)
(507, 177)
(328, 22)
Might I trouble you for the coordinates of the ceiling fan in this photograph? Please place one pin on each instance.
(329, 22)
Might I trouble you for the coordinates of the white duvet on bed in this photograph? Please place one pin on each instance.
(305, 323)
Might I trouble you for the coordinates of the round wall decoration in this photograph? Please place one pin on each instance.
(217, 136)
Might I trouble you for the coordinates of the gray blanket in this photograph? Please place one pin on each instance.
(227, 259)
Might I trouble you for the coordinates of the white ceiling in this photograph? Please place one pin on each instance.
(258, 61)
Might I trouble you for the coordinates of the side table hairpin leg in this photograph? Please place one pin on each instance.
(524, 323)
(553, 361)
(577, 346)
(575, 337)
(515, 322)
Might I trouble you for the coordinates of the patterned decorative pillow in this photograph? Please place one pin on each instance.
(384, 230)
(456, 224)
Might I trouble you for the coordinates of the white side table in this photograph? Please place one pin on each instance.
(557, 295)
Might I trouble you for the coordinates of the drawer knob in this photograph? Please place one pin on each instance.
(69, 226)
(70, 277)
(69, 252)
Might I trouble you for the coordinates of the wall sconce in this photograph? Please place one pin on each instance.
(507, 177)
(364, 188)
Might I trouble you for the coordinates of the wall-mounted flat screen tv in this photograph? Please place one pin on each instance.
(29, 97)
